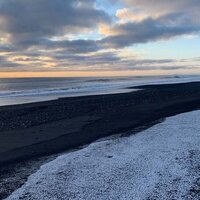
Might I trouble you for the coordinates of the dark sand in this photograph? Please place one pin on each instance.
(30, 131)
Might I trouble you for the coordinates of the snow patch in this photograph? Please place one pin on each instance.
(159, 163)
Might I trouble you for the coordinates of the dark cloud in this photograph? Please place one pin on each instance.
(166, 6)
(148, 30)
(70, 46)
(112, 61)
(27, 21)
(6, 48)
(91, 60)
(6, 64)
(38, 35)
(99, 61)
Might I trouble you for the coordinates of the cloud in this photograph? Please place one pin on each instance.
(48, 35)
(108, 61)
(93, 61)
(149, 29)
(127, 15)
(27, 21)
(6, 65)
(165, 7)
(69, 46)
(137, 10)
(142, 21)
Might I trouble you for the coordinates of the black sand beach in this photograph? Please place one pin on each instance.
(30, 131)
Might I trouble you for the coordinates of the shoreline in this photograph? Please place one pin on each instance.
(28, 130)
(38, 131)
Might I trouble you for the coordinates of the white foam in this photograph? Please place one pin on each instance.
(98, 87)
(26, 93)
(158, 163)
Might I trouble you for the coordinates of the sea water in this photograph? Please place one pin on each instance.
(27, 90)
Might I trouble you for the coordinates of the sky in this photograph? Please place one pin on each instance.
(99, 37)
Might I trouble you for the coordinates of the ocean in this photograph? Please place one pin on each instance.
(27, 90)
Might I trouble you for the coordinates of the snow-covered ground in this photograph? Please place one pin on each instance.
(162, 162)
